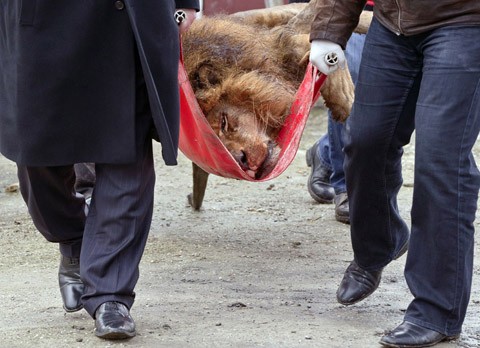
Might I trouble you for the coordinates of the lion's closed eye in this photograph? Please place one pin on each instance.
(224, 122)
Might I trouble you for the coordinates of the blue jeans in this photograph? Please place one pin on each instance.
(331, 144)
(430, 82)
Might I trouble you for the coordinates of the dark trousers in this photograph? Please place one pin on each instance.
(111, 238)
(430, 83)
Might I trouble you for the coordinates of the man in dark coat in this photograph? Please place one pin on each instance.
(91, 81)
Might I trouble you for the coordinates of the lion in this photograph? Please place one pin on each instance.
(245, 69)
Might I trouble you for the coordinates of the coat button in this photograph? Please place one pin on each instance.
(119, 5)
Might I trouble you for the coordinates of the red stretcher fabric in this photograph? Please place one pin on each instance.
(201, 145)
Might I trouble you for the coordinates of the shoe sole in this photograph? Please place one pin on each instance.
(342, 219)
(319, 199)
(445, 339)
(72, 310)
(115, 335)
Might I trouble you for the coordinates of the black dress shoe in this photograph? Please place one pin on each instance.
(113, 321)
(409, 335)
(70, 283)
(319, 180)
(357, 284)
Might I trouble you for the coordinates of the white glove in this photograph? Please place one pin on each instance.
(184, 18)
(327, 56)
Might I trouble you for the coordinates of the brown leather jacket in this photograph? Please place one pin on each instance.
(336, 19)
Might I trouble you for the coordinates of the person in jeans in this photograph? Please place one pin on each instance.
(427, 80)
(326, 182)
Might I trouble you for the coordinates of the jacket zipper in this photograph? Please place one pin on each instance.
(399, 17)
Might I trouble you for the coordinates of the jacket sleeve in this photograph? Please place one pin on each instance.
(195, 4)
(335, 20)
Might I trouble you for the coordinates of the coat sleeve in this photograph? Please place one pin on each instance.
(195, 4)
(335, 20)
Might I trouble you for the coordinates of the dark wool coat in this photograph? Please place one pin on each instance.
(67, 78)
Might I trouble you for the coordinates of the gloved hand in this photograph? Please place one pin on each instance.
(186, 18)
(323, 53)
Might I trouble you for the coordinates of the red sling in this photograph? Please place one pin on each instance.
(202, 146)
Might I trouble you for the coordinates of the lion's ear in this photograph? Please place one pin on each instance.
(205, 76)
(208, 98)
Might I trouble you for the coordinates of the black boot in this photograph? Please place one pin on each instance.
(71, 286)
(342, 212)
(319, 180)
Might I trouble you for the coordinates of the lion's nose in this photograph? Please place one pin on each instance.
(253, 158)
(242, 159)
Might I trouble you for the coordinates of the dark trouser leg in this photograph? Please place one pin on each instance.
(440, 259)
(116, 231)
(119, 218)
(353, 53)
(85, 180)
(57, 211)
(380, 125)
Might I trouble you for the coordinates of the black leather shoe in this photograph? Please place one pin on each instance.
(357, 283)
(113, 321)
(408, 335)
(71, 286)
(342, 213)
(319, 180)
